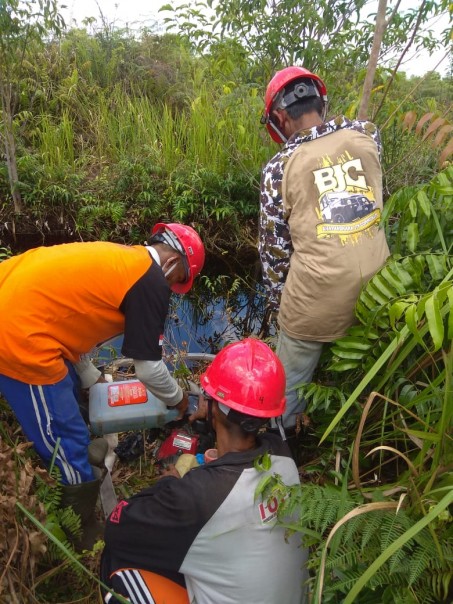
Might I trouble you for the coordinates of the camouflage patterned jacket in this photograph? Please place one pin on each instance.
(275, 246)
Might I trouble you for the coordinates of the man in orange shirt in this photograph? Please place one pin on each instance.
(58, 303)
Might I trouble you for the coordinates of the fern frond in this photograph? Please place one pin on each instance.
(371, 528)
(420, 562)
(345, 558)
(434, 127)
(346, 579)
(397, 562)
(392, 527)
(323, 506)
(382, 577)
(320, 397)
(69, 521)
(424, 216)
(382, 309)
(316, 507)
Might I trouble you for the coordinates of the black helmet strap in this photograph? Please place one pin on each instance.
(247, 423)
(304, 89)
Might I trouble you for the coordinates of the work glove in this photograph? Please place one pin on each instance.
(185, 463)
(87, 372)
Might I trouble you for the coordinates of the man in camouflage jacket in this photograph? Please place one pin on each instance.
(319, 235)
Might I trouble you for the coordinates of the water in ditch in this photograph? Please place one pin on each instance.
(225, 306)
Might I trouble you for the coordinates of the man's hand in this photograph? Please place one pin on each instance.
(182, 405)
(202, 410)
(170, 470)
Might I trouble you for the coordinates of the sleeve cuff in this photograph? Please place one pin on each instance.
(87, 372)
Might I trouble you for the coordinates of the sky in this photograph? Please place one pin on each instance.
(120, 12)
(136, 13)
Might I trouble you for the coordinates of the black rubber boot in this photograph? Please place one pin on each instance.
(82, 498)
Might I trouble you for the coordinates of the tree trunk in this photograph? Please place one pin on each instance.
(10, 148)
(379, 31)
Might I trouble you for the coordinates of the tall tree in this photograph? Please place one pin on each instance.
(323, 35)
(388, 39)
(23, 24)
(274, 32)
(381, 25)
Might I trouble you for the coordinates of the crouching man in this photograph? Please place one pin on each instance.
(207, 538)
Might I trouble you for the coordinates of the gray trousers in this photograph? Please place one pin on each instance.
(299, 358)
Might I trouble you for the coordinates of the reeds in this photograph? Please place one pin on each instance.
(220, 133)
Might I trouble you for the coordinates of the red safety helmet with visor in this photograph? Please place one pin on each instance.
(247, 376)
(186, 241)
(314, 87)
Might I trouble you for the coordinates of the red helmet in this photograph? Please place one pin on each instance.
(186, 241)
(248, 377)
(279, 81)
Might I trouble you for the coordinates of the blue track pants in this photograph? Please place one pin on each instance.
(47, 413)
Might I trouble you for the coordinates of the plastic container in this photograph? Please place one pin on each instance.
(210, 455)
(126, 405)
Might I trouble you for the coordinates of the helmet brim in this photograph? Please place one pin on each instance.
(273, 134)
(182, 288)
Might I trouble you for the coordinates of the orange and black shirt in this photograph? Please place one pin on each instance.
(59, 302)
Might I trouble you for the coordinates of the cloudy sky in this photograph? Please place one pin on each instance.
(137, 13)
(120, 12)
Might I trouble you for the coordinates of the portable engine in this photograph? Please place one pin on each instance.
(193, 438)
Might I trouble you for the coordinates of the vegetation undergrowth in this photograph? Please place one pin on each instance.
(113, 130)
(379, 509)
(33, 567)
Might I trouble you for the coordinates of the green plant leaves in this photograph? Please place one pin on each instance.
(435, 323)
(425, 215)
(263, 463)
(412, 236)
(424, 203)
(396, 545)
(423, 322)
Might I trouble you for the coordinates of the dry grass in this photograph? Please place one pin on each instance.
(30, 571)
(21, 545)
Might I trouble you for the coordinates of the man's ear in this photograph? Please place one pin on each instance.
(278, 117)
(170, 264)
(170, 261)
